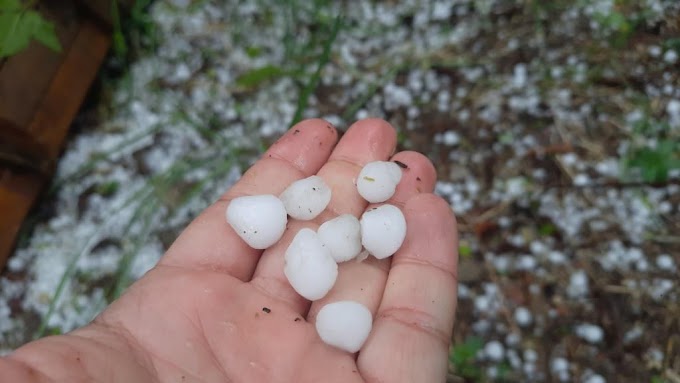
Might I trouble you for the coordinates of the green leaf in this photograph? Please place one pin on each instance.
(546, 229)
(14, 36)
(17, 27)
(257, 76)
(10, 5)
(253, 51)
(119, 44)
(467, 351)
(462, 356)
(503, 370)
(654, 164)
(108, 189)
(44, 32)
(672, 43)
(464, 251)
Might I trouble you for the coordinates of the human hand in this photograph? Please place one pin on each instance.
(216, 310)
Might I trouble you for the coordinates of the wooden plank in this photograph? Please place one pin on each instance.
(69, 87)
(19, 150)
(17, 193)
(60, 103)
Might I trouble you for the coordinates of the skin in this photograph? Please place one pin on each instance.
(215, 310)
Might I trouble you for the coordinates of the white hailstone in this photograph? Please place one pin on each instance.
(557, 257)
(590, 332)
(530, 355)
(309, 267)
(581, 179)
(513, 358)
(342, 236)
(523, 316)
(670, 56)
(654, 50)
(593, 378)
(578, 284)
(494, 350)
(492, 372)
(383, 230)
(259, 220)
(665, 262)
(560, 367)
(526, 262)
(344, 324)
(481, 326)
(633, 334)
(513, 339)
(306, 198)
(378, 180)
(450, 138)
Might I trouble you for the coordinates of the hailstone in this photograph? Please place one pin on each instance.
(344, 324)
(378, 180)
(306, 198)
(309, 266)
(383, 230)
(259, 220)
(342, 236)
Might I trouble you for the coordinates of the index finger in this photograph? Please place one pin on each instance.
(209, 242)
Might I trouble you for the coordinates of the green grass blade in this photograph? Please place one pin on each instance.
(313, 82)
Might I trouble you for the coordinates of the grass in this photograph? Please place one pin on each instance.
(313, 81)
(64, 281)
(652, 163)
(463, 358)
(132, 32)
(98, 157)
(147, 202)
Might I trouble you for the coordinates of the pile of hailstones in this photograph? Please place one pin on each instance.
(311, 260)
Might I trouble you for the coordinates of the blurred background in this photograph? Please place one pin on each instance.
(554, 127)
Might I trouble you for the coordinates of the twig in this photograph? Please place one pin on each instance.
(672, 376)
(493, 212)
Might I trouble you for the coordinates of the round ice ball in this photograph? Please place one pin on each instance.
(342, 236)
(309, 267)
(378, 180)
(344, 324)
(306, 198)
(383, 230)
(259, 220)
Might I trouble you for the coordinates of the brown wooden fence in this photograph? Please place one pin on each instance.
(40, 94)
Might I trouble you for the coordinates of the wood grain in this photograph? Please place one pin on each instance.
(50, 108)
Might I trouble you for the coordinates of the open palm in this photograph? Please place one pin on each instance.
(215, 310)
